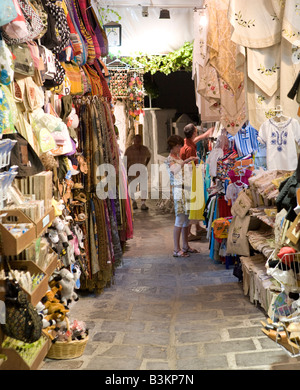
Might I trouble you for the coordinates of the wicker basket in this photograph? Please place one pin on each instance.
(67, 349)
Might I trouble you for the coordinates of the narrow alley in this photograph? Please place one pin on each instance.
(166, 313)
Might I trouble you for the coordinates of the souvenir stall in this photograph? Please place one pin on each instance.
(57, 234)
(246, 73)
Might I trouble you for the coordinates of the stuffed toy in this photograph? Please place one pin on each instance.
(55, 243)
(64, 232)
(50, 296)
(59, 236)
(53, 316)
(68, 285)
(76, 272)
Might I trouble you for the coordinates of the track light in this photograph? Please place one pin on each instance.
(164, 14)
(145, 12)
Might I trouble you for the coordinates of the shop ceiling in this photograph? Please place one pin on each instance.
(153, 3)
(151, 34)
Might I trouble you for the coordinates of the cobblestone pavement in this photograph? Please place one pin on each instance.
(166, 313)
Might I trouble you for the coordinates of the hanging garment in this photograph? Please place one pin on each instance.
(260, 105)
(208, 86)
(223, 83)
(80, 58)
(263, 66)
(91, 53)
(57, 36)
(212, 159)
(200, 38)
(222, 51)
(232, 107)
(233, 191)
(197, 203)
(245, 140)
(86, 17)
(255, 23)
(291, 21)
(280, 139)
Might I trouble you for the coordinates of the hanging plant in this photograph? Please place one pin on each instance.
(178, 60)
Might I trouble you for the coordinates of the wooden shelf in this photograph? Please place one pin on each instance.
(14, 360)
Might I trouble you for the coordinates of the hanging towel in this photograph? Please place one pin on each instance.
(197, 203)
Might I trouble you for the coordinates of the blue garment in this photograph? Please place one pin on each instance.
(245, 140)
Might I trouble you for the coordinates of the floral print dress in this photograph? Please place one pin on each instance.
(176, 181)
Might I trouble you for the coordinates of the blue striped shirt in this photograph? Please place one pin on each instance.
(245, 140)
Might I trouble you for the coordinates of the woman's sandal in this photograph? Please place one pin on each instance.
(190, 250)
(180, 253)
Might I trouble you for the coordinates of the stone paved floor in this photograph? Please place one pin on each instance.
(166, 313)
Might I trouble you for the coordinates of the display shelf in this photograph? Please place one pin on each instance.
(14, 361)
(51, 267)
(44, 222)
(40, 290)
(12, 245)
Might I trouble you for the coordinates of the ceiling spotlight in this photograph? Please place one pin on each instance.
(145, 12)
(164, 14)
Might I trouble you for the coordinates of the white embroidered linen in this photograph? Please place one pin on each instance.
(263, 67)
(291, 21)
(280, 139)
(255, 23)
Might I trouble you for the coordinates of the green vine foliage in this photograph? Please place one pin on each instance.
(178, 60)
(108, 15)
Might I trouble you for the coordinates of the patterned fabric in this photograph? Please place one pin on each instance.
(109, 221)
(80, 58)
(6, 64)
(83, 6)
(91, 54)
(245, 140)
(220, 82)
(73, 72)
(176, 181)
(222, 51)
(263, 66)
(291, 21)
(96, 85)
(8, 111)
(26, 27)
(61, 26)
(255, 23)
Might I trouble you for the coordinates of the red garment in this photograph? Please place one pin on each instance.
(189, 149)
(224, 210)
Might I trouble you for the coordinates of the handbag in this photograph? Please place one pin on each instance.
(57, 36)
(26, 26)
(22, 320)
(237, 241)
(23, 63)
(73, 72)
(242, 204)
(220, 226)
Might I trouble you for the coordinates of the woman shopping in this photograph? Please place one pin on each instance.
(176, 170)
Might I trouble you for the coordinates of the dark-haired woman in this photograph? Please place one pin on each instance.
(176, 171)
